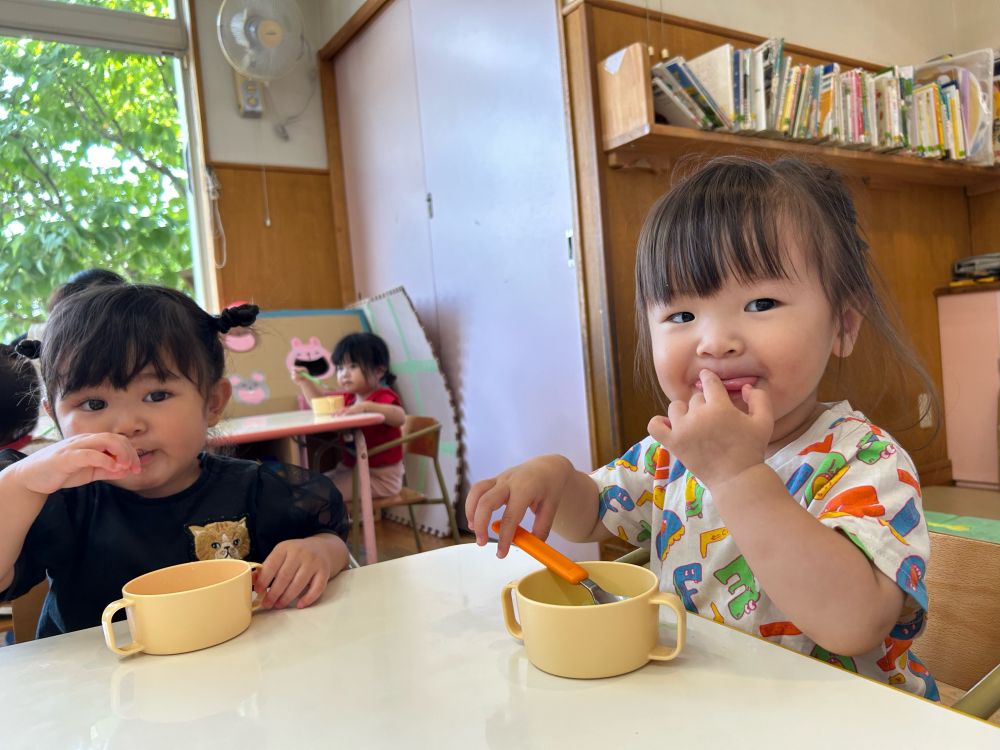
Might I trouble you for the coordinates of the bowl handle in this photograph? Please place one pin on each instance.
(509, 619)
(109, 633)
(662, 598)
(255, 605)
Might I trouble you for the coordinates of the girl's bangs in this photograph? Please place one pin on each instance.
(705, 238)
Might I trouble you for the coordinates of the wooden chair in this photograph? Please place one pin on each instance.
(421, 437)
(24, 613)
(960, 645)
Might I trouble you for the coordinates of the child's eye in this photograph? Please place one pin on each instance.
(760, 305)
(157, 396)
(680, 317)
(93, 404)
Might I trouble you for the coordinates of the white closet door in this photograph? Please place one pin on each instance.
(497, 164)
(383, 162)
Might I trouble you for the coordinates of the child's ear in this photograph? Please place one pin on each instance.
(218, 397)
(48, 408)
(847, 336)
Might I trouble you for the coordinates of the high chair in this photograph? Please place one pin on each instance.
(420, 437)
(960, 645)
(24, 613)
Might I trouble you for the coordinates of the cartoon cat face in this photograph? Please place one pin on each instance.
(221, 540)
(239, 340)
(312, 355)
(253, 390)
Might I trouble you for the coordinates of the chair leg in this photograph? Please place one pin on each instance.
(416, 531)
(355, 513)
(452, 521)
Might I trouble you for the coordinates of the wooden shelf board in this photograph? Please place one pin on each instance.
(672, 142)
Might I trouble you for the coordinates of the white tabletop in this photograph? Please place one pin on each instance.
(413, 653)
(286, 424)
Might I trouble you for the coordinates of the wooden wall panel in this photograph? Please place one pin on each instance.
(291, 264)
(915, 232)
(984, 217)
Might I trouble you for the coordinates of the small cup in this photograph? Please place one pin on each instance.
(566, 634)
(184, 607)
(326, 405)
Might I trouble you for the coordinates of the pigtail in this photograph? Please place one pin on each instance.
(239, 316)
(27, 348)
(388, 379)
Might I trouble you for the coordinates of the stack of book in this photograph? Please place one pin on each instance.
(938, 110)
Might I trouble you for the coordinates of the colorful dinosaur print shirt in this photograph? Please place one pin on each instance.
(845, 471)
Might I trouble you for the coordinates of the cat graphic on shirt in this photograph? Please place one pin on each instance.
(221, 540)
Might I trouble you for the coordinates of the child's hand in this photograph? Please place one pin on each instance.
(75, 461)
(711, 436)
(537, 484)
(299, 375)
(295, 568)
(358, 407)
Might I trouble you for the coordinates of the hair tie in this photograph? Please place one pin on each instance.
(236, 317)
(29, 348)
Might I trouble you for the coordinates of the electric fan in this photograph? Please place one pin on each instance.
(261, 39)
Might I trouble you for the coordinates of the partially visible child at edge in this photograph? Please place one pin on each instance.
(365, 380)
(134, 379)
(763, 508)
(20, 397)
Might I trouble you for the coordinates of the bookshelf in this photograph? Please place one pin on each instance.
(919, 217)
(631, 137)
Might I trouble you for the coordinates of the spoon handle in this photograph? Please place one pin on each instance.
(548, 556)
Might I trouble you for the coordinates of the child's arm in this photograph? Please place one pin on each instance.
(394, 414)
(299, 568)
(25, 485)
(560, 497)
(814, 575)
(308, 385)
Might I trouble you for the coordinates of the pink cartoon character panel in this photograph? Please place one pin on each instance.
(285, 339)
(312, 356)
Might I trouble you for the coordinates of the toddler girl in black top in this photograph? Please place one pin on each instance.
(134, 379)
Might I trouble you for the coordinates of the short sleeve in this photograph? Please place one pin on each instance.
(295, 503)
(876, 503)
(626, 491)
(385, 396)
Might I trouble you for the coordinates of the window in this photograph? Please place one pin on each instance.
(93, 146)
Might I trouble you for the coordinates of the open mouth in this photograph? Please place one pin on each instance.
(315, 367)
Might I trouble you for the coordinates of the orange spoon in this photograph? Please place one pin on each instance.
(559, 564)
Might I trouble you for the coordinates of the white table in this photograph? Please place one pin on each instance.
(297, 424)
(412, 653)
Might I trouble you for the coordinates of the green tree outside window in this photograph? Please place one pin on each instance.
(91, 170)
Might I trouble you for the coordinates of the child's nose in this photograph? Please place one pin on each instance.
(720, 341)
(128, 424)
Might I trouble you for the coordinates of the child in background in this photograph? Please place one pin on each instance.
(134, 379)
(362, 362)
(763, 508)
(20, 398)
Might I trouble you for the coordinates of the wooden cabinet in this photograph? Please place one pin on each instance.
(970, 355)
(918, 217)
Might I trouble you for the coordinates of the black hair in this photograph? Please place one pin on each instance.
(20, 395)
(735, 217)
(84, 279)
(367, 351)
(110, 334)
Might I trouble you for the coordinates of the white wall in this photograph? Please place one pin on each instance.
(232, 138)
(879, 31)
(977, 24)
(902, 31)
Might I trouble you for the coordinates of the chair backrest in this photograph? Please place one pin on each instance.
(427, 444)
(961, 642)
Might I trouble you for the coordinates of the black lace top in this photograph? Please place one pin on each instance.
(93, 539)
